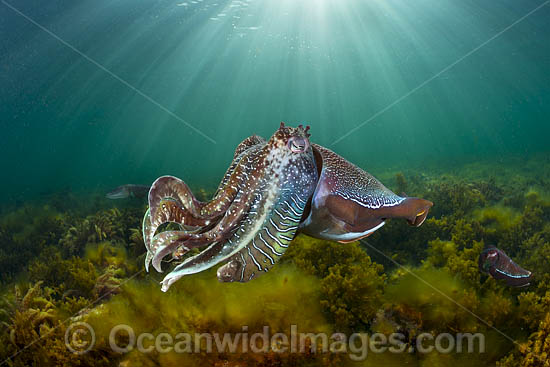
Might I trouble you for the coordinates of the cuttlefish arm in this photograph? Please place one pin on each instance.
(171, 200)
(281, 179)
(349, 203)
(170, 187)
(247, 143)
(256, 245)
(267, 247)
(169, 212)
(168, 242)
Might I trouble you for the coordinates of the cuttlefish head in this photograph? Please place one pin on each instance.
(288, 159)
(289, 141)
(349, 204)
(488, 259)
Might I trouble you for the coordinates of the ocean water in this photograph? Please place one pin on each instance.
(99, 93)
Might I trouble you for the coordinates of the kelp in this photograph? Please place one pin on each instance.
(533, 308)
(75, 274)
(96, 275)
(454, 198)
(31, 230)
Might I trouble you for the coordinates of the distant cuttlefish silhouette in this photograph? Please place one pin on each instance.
(129, 190)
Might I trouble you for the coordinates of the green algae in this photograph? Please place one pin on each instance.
(535, 351)
(74, 265)
(351, 284)
(201, 304)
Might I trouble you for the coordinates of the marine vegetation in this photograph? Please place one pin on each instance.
(24, 233)
(58, 266)
(34, 334)
(351, 284)
(535, 352)
(201, 305)
(62, 266)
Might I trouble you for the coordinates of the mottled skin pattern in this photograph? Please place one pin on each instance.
(176, 189)
(269, 177)
(170, 200)
(349, 203)
(271, 191)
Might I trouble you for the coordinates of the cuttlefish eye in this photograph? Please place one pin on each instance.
(298, 144)
(491, 258)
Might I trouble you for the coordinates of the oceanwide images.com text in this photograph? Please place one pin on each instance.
(80, 338)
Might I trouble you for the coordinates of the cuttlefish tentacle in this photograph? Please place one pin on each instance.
(241, 179)
(266, 233)
(253, 230)
(148, 232)
(181, 206)
(169, 211)
(248, 143)
(170, 187)
(147, 236)
(171, 200)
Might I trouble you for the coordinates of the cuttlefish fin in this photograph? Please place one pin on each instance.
(349, 204)
(356, 238)
(414, 210)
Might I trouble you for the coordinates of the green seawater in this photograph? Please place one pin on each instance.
(97, 94)
(447, 100)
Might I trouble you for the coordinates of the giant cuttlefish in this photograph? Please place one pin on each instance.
(495, 262)
(271, 191)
